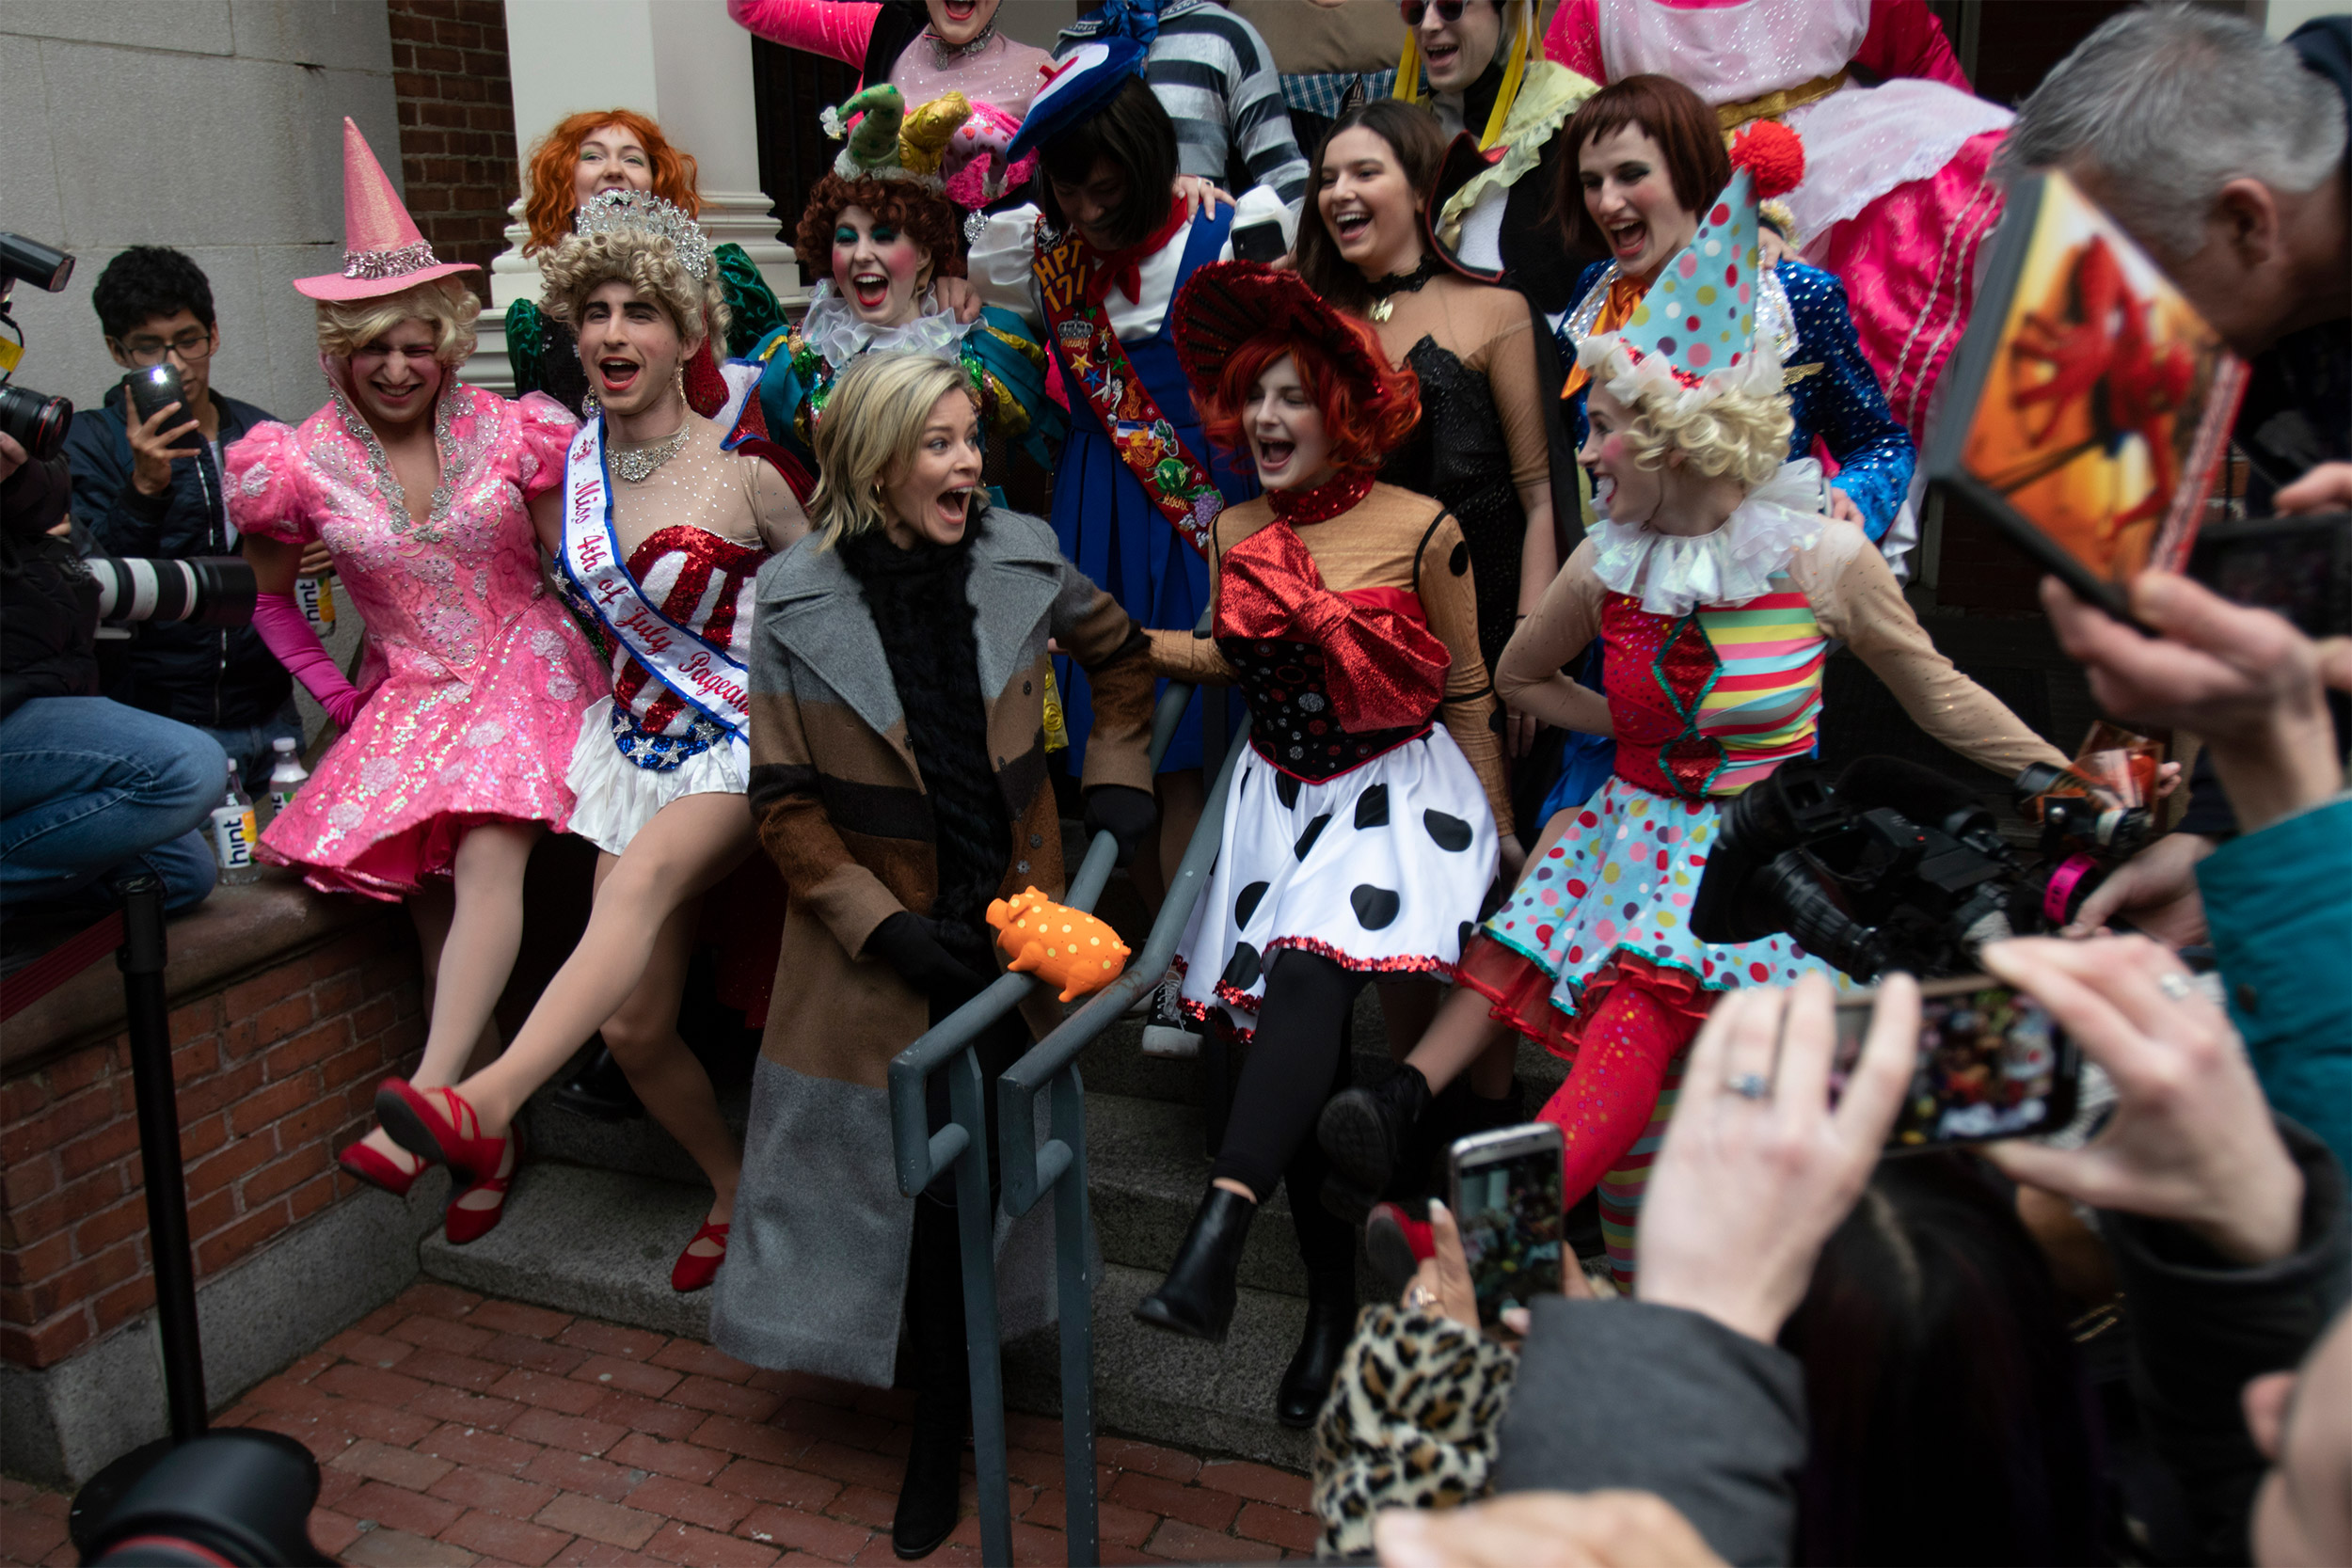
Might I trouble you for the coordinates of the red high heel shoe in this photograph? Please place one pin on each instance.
(464, 1222)
(365, 1164)
(439, 1125)
(693, 1270)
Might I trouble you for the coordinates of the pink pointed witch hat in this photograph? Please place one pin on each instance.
(383, 252)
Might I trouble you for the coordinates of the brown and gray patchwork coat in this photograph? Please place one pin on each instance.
(816, 1259)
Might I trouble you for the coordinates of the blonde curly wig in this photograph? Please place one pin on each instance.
(585, 262)
(1733, 432)
(348, 326)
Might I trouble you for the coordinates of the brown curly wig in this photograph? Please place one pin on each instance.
(928, 219)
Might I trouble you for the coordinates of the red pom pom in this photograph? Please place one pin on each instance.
(1772, 155)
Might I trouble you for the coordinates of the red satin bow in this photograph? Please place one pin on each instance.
(1382, 665)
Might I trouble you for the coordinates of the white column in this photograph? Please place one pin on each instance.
(686, 65)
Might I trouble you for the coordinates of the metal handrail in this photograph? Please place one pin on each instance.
(922, 1156)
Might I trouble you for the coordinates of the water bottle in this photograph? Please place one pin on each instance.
(317, 601)
(234, 832)
(285, 775)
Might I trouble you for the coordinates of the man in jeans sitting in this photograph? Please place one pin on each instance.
(154, 488)
(90, 791)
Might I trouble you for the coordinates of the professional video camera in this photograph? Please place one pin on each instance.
(1896, 866)
(37, 421)
(203, 589)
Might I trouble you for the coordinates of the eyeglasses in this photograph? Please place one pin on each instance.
(1413, 10)
(191, 347)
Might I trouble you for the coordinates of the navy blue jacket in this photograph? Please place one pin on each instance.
(196, 674)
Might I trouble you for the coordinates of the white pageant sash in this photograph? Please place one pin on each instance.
(705, 678)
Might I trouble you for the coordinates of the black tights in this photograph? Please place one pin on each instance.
(934, 1299)
(1298, 1061)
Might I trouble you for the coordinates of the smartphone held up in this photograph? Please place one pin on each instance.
(1507, 1188)
(1991, 1063)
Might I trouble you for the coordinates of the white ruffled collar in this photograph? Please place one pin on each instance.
(1670, 573)
(835, 331)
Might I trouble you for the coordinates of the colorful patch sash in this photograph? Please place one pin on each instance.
(1175, 481)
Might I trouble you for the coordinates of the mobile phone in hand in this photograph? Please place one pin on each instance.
(1990, 1063)
(1507, 1188)
(155, 388)
(1261, 241)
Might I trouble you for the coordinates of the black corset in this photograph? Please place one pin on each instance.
(1290, 721)
(1457, 454)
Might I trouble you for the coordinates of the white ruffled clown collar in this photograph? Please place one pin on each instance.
(835, 331)
(1671, 573)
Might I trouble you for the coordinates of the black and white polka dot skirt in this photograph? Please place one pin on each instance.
(1380, 869)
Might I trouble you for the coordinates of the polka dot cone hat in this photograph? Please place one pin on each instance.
(1699, 316)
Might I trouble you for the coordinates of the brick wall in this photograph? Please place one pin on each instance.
(457, 155)
(275, 1074)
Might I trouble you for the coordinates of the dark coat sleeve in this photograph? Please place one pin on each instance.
(123, 520)
(1656, 1399)
(2203, 1328)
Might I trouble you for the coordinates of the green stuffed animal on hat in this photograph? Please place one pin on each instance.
(872, 152)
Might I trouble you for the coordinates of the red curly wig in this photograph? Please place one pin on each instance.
(1364, 419)
(548, 211)
(928, 219)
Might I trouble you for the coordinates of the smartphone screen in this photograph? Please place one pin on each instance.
(1508, 1199)
(1991, 1063)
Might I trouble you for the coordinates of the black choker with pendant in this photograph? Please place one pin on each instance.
(1400, 283)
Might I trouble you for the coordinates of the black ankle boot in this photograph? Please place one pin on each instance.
(1197, 1297)
(1363, 1133)
(1330, 1324)
(926, 1509)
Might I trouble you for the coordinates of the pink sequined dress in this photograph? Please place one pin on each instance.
(484, 673)
(1895, 198)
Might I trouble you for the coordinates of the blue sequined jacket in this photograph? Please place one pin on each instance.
(1835, 397)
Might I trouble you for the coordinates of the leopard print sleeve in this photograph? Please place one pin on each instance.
(1411, 1422)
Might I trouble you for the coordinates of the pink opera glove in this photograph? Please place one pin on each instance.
(287, 634)
(837, 29)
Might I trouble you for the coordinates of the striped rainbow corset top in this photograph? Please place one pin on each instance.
(1707, 703)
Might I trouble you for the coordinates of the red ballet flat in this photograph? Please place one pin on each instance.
(475, 1213)
(1395, 1244)
(693, 1270)
(365, 1164)
(439, 1125)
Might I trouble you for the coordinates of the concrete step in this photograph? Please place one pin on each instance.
(599, 1243)
(636, 1145)
(1153, 1384)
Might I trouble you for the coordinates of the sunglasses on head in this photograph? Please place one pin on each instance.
(1448, 10)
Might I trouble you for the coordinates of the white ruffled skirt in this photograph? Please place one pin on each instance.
(1380, 869)
(616, 798)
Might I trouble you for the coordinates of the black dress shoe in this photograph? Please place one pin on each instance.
(1330, 1324)
(601, 1090)
(928, 1499)
(1363, 1133)
(1196, 1298)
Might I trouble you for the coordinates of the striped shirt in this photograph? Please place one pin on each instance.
(1216, 78)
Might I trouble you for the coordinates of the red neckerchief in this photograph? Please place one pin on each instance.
(1125, 268)
(1326, 500)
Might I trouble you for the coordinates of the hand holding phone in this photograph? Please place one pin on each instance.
(154, 417)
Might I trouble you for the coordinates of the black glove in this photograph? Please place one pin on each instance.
(1123, 812)
(910, 944)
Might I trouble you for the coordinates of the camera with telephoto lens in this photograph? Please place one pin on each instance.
(201, 590)
(1896, 866)
(37, 421)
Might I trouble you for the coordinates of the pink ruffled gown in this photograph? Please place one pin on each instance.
(484, 673)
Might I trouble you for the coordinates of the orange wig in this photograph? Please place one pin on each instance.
(1364, 418)
(548, 211)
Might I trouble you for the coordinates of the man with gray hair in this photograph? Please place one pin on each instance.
(2223, 153)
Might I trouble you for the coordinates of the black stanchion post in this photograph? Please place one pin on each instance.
(150, 1025)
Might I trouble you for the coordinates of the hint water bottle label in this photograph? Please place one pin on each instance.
(317, 601)
(233, 836)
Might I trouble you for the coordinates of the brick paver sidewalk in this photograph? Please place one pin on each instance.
(455, 1430)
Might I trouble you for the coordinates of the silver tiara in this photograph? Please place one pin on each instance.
(617, 212)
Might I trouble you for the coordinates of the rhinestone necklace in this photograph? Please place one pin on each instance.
(944, 54)
(637, 465)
